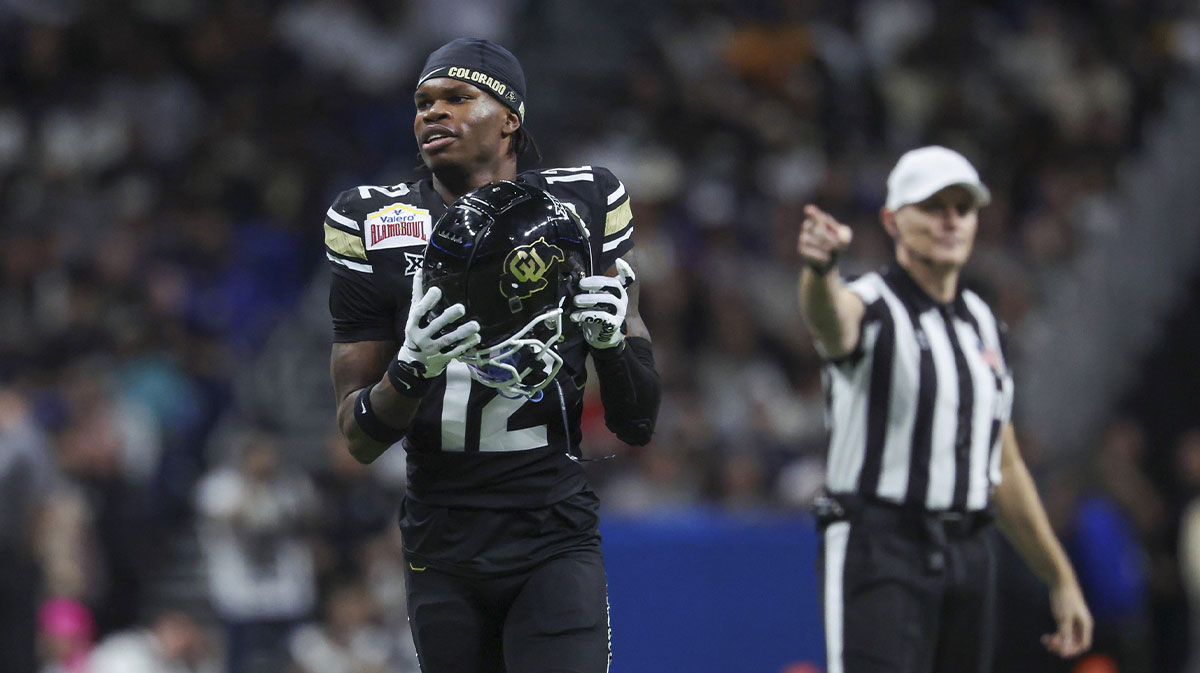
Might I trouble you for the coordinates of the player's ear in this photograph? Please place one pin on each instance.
(512, 122)
(887, 218)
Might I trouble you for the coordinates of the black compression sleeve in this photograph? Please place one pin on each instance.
(629, 389)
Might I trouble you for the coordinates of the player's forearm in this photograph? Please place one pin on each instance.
(1023, 521)
(366, 440)
(629, 390)
(828, 309)
(357, 366)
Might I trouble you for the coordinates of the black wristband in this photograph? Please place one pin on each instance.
(823, 268)
(370, 424)
(408, 378)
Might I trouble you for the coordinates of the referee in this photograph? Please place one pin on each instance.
(922, 452)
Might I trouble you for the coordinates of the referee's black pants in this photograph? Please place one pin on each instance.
(907, 592)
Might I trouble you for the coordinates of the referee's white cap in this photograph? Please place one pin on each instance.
(925, 171)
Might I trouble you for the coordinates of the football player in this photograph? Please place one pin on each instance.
(504, 565)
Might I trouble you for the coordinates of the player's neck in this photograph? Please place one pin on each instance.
(939, 281)
(451, 182)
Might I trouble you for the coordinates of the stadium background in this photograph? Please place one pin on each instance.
(164, 169)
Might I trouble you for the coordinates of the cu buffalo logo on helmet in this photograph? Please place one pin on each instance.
(525, 268)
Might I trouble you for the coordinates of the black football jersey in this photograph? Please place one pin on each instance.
(468, 446)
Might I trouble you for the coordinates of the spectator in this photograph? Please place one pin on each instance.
(660, 481)
(256, 518)
(1108, 539)
(173, 643)
(350, 638)
(110, 447)
(66, 633)
(382, 561)
(27, 482)
(356, 506)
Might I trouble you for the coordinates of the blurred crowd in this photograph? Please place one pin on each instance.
(164, 165)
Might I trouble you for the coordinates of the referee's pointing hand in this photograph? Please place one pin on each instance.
(821, 238)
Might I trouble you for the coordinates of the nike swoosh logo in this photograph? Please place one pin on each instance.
(406, 384)
(432, 73)
(363, 404)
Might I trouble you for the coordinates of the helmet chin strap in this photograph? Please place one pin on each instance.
(562, 405)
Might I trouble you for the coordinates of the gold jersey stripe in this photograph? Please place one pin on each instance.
(618, 218)
(344, 244)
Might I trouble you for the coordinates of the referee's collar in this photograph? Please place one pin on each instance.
(916, 297)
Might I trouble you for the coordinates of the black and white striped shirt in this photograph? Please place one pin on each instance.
(916, 410)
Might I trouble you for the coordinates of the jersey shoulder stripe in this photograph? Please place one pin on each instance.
(618, 219)
(617, 194)
(344, 243)
(343, 237)
(618, 222)
(336, 219)
(614, 243)
(349, 264)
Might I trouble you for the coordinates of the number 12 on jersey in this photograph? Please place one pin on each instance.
(463, 427)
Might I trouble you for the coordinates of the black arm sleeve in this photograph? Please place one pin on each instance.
(630, 391)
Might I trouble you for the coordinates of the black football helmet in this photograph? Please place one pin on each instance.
(513, 255)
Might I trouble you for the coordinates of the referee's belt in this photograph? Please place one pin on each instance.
(937, 526)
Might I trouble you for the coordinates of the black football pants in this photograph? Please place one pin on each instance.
(899, 599)
(551, 619)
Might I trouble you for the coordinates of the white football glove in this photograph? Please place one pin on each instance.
(602, 305)
(424, 350)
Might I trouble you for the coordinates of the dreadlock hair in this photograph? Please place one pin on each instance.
(523, 143)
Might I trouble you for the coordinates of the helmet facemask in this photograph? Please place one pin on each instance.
(523, 364)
